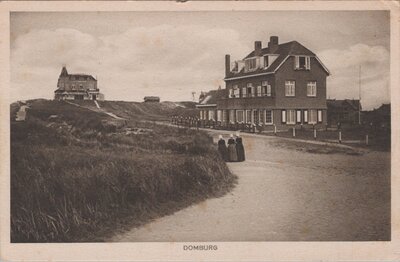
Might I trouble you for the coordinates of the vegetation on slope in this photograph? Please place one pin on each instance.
(73, 180)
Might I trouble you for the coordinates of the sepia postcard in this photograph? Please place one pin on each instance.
(199, 131)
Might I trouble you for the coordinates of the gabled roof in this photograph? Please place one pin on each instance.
(348, 103)
(64, 73)
(211, 97)
(283, 51)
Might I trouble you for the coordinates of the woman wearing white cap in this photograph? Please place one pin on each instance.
(239, 148)
(223, 151)
(232, 154)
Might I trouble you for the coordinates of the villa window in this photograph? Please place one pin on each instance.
(211, 115)
(302, 62)
(305, 116)
(219, 115)
(266, 61)
(319, 116)
(312, 88)
(248, 116)
(250, 64)
(298, 116)
(231, 93)
(259, 91)
(266, 88)
(232, 116)
(244, 92)
(268, 117)
(236, 91)
(291, 117)
(250, 90)
(313, 116)
(290, 88)
(240, 116)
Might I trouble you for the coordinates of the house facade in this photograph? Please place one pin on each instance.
(76, 87)
(282, 85)
(346, 111)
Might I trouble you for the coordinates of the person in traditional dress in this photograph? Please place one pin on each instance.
(222, 149)
(232, 154)
(240, 148)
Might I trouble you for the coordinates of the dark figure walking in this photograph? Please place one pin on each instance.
(240, 148)
(232, 149)
(222, 149)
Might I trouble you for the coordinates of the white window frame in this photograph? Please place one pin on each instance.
(272, 117)
(211, 115)
(249, 62)
(291, 117)
(312, 88)
(307, 65)
(240, 112)
(236, 91)
(259, 91)
(290, 88)
(250, 87)
(231, 93)
(244, 91)
(248, 121)
(219, 115)
(266, 61)
(232, 114)
(224, 116)
(311, 121)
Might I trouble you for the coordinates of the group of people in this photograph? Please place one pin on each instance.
(234, 152)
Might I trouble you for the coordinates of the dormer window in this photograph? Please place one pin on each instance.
(266, 61)
(302, 63)
(251, 64)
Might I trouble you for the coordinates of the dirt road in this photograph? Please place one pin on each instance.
(288, 191)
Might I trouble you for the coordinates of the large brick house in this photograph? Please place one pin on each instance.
(281, 84)
(77, 87)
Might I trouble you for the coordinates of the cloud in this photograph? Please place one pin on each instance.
(344, 80)
(171, 61)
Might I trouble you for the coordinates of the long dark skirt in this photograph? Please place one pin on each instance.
(232, 153)
(240, 152)
(223, 151)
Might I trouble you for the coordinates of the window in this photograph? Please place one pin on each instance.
(266, 61)
(259, 89)
(236, 91)
(232, 116)
(250, 64)
(290, 88)
(240, 116)
(255, 116)
(231, 93)
(298, 116)
(302, 62)
(73, 87)
(312, 88)
(244, 92)
(81, 87)
(266, 88)
(268, 117)
(319, 116)
(211, 115)
(219, 115)
(291, 117)
(305, 117)
(250, 90)
(261, 116)
(313, 116)
(283, 116)
(248, 116)
(225, 116)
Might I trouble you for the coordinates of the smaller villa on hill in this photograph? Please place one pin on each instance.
(77, 87)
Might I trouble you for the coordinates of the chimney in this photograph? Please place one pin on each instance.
(257, 48)
(227, 64)
(273, 43)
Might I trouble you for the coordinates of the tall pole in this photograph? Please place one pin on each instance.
(359, 95)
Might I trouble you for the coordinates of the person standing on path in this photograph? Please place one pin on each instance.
(239, 148)
(232, 149)
(222, 149)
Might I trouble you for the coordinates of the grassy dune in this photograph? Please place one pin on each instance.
(74, 180)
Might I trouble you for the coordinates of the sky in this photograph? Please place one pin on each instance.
(172, 54)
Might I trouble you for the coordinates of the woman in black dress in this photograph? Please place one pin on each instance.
(232, 154)
(240, 148)
(222, 149)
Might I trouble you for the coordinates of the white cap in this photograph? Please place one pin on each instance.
(220, 136)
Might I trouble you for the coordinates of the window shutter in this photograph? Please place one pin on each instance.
(296, 62)
(305, 119)
(307, 62)
(319, 116)
(283, 116)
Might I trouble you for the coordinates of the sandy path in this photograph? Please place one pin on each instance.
(285, 194)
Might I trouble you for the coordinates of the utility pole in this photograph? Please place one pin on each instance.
(359, 95)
